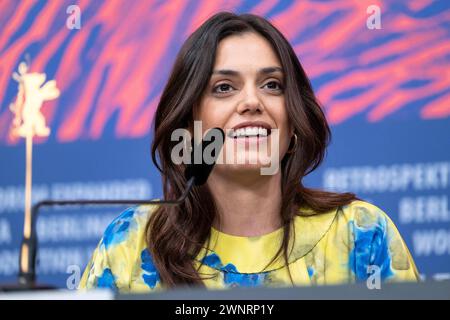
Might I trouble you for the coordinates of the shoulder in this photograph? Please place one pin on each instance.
(376, 241)
(120, 252)
(364, 218)
(356, 215)
(364, 214)
(369, 226)
(129, 226)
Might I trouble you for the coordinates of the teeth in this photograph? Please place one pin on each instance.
(249, 132)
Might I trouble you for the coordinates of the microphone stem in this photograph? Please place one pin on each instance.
(28, 249)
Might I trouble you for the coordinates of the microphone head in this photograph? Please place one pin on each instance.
(203, 162)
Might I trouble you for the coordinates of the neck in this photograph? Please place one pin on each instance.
(248, 205)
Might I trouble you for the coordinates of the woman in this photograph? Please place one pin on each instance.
(242, 228)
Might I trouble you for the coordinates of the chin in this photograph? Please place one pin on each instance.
(242, 169)
(253, 163)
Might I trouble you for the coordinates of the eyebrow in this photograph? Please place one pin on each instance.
(229, 72)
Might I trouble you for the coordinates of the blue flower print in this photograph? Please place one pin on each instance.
(107, 280)
(232, 277)
(150, 275)
(212, 261)
(117, 231)
(310, 271)
(371, 248)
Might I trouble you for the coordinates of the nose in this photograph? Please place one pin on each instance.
(250, 102)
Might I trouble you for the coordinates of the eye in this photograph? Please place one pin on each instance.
(274, 86)
(223, 88)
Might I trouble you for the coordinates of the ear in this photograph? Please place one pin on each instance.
(291, 130)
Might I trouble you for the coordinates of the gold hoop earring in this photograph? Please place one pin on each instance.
(290, 151)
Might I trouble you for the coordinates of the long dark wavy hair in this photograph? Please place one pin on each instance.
(175, 235)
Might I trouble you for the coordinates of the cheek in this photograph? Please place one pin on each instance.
(279, 115)
(210, 119)
(285, 140)
(212, 114)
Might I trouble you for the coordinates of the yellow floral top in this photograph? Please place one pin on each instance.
(330, 248)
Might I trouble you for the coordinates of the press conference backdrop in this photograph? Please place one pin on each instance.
(385, 92)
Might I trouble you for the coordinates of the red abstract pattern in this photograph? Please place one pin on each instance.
(113, 69)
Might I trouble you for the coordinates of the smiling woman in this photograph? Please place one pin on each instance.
(244, 228)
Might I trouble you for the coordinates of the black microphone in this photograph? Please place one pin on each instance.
(196, 173)
(199, 166)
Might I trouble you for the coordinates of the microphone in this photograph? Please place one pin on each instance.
(196, 173)
(199, 166)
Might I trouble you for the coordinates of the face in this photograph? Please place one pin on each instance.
(245, 97)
